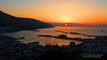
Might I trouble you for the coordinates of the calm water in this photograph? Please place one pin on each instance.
(31, 36)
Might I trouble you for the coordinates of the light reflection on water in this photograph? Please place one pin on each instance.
(31, 36)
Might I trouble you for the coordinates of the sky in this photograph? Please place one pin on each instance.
(61, 11)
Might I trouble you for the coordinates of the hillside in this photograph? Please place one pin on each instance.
(7, 20)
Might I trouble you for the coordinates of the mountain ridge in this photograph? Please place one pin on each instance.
(27, 23)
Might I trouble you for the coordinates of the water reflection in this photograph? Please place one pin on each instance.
(31, 36)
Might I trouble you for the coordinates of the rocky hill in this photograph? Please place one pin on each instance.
(7, 20)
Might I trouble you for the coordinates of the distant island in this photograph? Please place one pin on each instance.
(11, 23)
(78, 25)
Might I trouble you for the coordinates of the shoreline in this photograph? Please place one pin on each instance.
(12, 49)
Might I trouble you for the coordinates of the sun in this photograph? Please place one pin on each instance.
(65, 19)
(65, 24)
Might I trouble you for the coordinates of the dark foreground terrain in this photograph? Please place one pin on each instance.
(12, 49)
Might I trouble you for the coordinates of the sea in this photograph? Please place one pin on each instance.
(32, 36)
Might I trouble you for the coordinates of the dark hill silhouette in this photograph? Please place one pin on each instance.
(25, 23)
(6, 19)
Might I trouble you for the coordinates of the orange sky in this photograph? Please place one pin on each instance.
(63, 11)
